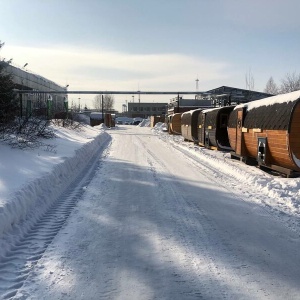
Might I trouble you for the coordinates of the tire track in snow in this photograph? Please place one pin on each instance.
(19, 261)
(205, 267)
(214, 259)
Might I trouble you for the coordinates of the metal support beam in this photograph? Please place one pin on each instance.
(109, 92)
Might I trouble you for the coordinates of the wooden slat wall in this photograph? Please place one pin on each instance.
(239, 136)
(201, 129)
(295, 132)
(156, 119)
(281, 143)
(238, 147)
(278, 147)
(186, 120)
(212, 137)
(186, 132)
(232, 137)
(175, 124)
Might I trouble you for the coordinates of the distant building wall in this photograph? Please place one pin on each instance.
(146, 109)
(221, 96)
(27, 80)
(24, 80)
(187, 104)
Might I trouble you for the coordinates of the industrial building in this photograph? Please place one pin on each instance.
(25, 80)
(221, 96)
(146, 109)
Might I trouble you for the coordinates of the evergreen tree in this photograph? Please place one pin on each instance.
(8, 103)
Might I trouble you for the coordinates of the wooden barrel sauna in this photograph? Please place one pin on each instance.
(212, 128)
(175, 124)
(96, 118)
(189, 122)
(107, 120)
(269, 131)
(156, 119)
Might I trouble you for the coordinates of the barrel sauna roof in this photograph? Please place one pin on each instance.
(283, 98)
(96, 115)
(188, 114)
(273, 113)
(191, 111)
(211, 117)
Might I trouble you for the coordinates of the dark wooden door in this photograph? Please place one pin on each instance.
(239, 134)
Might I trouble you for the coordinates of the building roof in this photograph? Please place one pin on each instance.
(236, 91)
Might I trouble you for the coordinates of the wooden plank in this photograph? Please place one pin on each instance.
(289, 173)
(232, 137)
(175, 124)
(239, 135)
(247, 160)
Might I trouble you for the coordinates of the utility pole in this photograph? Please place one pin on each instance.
(102, 106)
(197, 84)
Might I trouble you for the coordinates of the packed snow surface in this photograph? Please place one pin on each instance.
(135, 213)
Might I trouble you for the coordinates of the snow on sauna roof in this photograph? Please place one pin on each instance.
(191, 111)
(283, 98)
(96, 115)
(210, 109)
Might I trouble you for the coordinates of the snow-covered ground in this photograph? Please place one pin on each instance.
(30, 180)
(281, 195)
(135, 213)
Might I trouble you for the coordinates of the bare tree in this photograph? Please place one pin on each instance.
(97, 102)
(290, 83)
(108, 102)
(271, 87)
(249, 81)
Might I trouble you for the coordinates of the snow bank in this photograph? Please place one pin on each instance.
(159, 126)
(51, 173)
(145, 123)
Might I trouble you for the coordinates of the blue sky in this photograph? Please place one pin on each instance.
(152, 45)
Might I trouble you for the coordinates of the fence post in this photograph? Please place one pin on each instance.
(49, 106)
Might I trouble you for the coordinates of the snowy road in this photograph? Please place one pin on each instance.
(153, 225)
